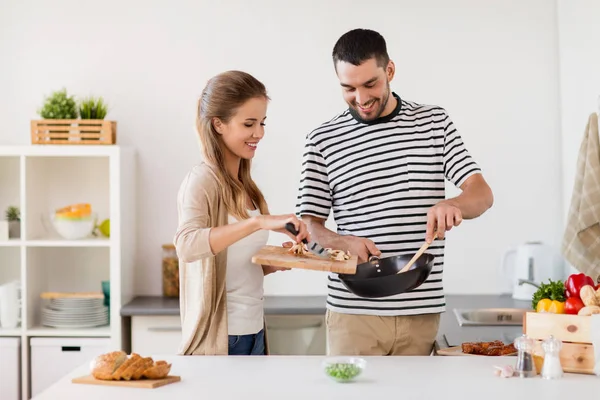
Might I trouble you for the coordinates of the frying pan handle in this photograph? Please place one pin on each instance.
(374, 260)
(292, 229)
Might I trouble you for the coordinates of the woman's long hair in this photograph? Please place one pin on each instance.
(221, 98)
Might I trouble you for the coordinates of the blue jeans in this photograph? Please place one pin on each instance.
(247, 345)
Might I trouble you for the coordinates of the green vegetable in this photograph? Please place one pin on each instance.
(342, 372)
(553, 290)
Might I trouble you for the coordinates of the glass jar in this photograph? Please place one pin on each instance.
(170, 271)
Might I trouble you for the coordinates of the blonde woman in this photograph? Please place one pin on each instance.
(223, 221)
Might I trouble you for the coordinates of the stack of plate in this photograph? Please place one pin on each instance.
(75, 313)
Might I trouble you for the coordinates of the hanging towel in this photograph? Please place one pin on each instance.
(581, 241)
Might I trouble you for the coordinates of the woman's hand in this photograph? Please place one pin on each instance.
(277, 223)
(268, 269)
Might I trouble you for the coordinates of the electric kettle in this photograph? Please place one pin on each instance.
(532, 263)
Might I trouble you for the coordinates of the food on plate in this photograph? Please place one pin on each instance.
(552, 297)
(589, 310)
(494, 348)
(117, 365)
(301, 249)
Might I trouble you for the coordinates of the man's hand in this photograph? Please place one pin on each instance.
(441, 218)
(363, 248)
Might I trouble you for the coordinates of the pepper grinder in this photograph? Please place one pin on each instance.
(552, 369)
(525, 367)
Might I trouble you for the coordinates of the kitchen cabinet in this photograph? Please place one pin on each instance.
(39, 179)
(296, 334)
(288, 334)
(52, 358)
(158, 334)
(10, 368)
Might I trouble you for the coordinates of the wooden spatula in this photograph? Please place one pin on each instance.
(417, 255)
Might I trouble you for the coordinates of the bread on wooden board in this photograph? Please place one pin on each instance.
(117, 365)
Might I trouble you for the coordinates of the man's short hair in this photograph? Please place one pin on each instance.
(360, 45)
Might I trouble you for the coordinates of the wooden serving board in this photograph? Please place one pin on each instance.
(277, 256)
(140, 383)
(457, 351)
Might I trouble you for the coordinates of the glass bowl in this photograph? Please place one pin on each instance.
(344, 369)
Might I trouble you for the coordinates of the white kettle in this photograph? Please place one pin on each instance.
(532, 263)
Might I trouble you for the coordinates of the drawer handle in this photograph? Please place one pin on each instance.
(71, 348)
(165, 329)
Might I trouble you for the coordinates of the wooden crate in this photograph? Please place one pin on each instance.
(73, 131)
(577, 353)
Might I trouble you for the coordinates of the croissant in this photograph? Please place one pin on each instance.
(117, 365)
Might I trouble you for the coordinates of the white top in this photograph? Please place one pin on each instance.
(245, 283)
(302, 377)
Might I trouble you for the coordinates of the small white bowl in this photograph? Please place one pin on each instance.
(74, 228)
(344, 369)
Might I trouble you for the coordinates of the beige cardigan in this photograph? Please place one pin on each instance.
(581, 241)
(202, 274)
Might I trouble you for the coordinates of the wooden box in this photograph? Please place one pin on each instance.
(577, 353)
(73, 131)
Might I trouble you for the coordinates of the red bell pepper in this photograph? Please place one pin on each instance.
(575, 282)
(573, 305)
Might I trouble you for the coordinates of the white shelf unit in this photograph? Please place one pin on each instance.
(40, 179)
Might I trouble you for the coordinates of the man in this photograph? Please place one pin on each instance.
(380, 165)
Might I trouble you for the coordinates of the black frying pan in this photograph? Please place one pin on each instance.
(378, 277)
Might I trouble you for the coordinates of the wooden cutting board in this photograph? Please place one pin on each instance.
(277, 256)
(140, 383)
(457, 351)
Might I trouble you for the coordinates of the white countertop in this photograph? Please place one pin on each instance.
(302, 377)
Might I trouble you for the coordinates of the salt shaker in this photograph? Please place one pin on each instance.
(552, 369)
(524, 367)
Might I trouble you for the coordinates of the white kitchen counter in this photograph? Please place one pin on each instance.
(302, 377)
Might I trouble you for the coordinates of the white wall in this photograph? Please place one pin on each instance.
(493, 65)
(579, 48)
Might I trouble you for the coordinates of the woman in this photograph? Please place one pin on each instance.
(223, 221)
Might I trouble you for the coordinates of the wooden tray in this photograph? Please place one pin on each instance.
(140, 383)
(277, 256)
(457, 351)
(73, 131)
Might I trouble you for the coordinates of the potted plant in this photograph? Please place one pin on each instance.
(92, 108)
(13, 216)
(61, 110)
(59, 105)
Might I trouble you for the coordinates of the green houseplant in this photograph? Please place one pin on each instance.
(93, 108)
(13, 216)
(59, 105)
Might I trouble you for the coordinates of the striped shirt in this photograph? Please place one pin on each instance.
(380, 178)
